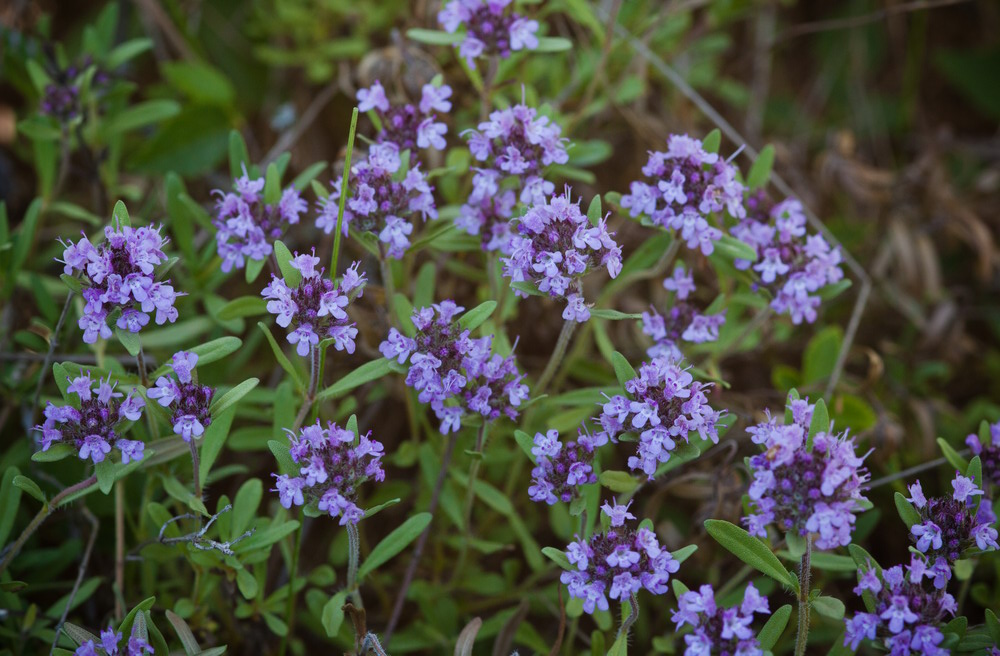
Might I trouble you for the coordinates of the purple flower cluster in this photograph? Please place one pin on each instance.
(988, 450)
(560, 469)
(191, 416)
(61, 97)
(332, 465)
(246, 226)
(121, 272)
(555, 247)
(380, 203)
(950, 526)
(723, 631)
(906, 613)
(617, 563)
(683, 321)
(315, 309)
(109, 641)
(791, 263)
(490, 29)
(805, 490)
(91, 426)
(453, 372)
(664, 405)
(489, 217)
(687, 186)
(409, 126)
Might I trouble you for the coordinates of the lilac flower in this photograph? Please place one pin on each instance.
(93, 424)
(664, 405)
(792, 264)
(720, 630)
(687, 186)
(489, 217)
(805, 490)
(490, 29)
(988, 450)
(333, 463)
(906, 614)
(555, 247)
(315, 309)
(110, 640)
(560, 469)
(453, 372)
(381, 199)
(246, 226)
(409, 126)
(119, 277)
(189, 400)
(617, 563)
(683, 321)
(951, 525)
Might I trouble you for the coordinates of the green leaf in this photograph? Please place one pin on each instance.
(712, 141)
(184, 632)
(366, 373)
(29, 486)
(291, 275)
(200, 82)
(333, 614)
(105, 471)
(828, 607)
(992, 624)
(553, 44)
(614, 315)
(404, 314)
(975, 472)
(477, 315)
(140, 115)
(684, 553)
(527, 287)
(433, 37)
(820, 422)
(126, 51)
(734, 249)
(253, 269)
(129, 340)
(57, 451)
(751, 550)
(760, 172)
(303, 180)
(595, 212)
(40, 79)
(281, 453)
(213, 440)
(907, 512)
(526, 442)
(207, 353)
(244, 306)
(619, 481)
(374, 510)
(394, 543)
(239, 159)
(272, 189)
(820, 356)
(280, 356)
(10, 497)
(231, 397)
(120, 215)
(559, 558)
(774, 627)
(623, 370)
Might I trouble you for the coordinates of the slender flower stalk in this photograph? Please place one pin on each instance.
(805, 573)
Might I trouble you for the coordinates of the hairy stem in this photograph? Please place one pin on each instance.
(292, 571)
(633, 615)
(140, 361)
(314, 377)
(556, 359)
(805, 567)
(119, 546)
(46, 510)
(353, 556)
(195, 469)
(470, 494)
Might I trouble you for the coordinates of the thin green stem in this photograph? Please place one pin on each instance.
(292, 572)
(196, 470)
(389, 285)
(633, 615)
(315, 375)
(556, 359)
(53, 343)
(343, 194)
(805, 567)
(353, 556)
(140, 362)
(119, 543)
(470, 493)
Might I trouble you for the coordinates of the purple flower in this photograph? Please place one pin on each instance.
(333, 462)
(987, 447)
(560, 469)
(664, 406)
(381, 199)
(409, 126)
(490, 28)
(792, 264)
(617, 563)
(555, 247)
(805, 490)
(94, 427)
(246, 226)
(682, 322)
(189, 400)
(906, 613)
(315, 309)
(119, 276)
(719, 630)
(951, 525)
(453, 372)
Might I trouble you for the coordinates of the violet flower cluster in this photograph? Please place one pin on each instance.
(687, 186)
(61, 97)
(491, 28)
(805, 489)
(332, 466)
(987, 448)
(556, 246)
(189, 400)
(120, 273)
(682, 322)
(723, 631)
(949, 526)
(794, 265)
(664, 405)
(315, 309)
(453, 372)
(246, 226)
(617, 563)
(409, 126)
(381, 199)
(906, 612)
(514, 146)
(109, 645)
(561, 469)
(93, 427)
